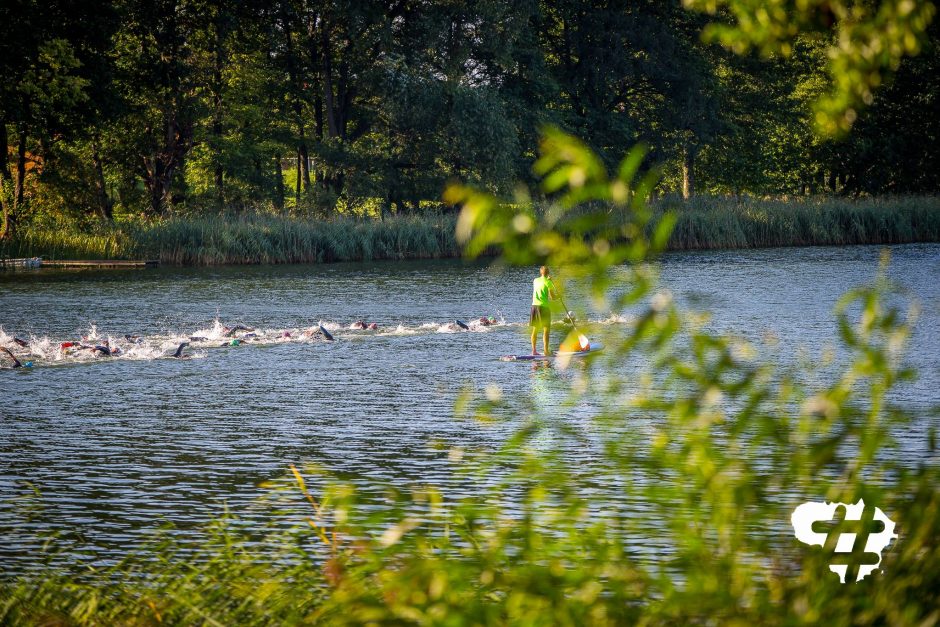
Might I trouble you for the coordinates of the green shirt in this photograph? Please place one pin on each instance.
(540, 288)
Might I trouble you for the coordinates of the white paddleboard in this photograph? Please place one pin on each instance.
(595, 347)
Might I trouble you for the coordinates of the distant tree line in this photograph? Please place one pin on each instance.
(156, 107)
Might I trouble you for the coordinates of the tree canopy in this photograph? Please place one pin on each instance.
(318, 107)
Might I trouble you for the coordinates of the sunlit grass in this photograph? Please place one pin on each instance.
(702, 223)
(246, 240)
(750, 223)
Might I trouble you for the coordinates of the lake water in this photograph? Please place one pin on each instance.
(112, 447)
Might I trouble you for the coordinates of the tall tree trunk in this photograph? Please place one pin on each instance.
(161, 166)
(318, 129)
(19, 186)
(217, 117)
(688, 171)
(304, 163)
(326, 53)
(278, 183)
(105, 205)
(297, 187)
(6, 230)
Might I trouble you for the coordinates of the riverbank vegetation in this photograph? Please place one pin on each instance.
(681, 517)
(331, 109)
(256, 237)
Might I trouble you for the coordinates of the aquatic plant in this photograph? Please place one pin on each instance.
(706, 222)
(703, 446)
(703, 222)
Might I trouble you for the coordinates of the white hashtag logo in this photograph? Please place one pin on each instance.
(851, 538)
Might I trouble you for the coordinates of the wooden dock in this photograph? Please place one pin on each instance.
(99, 263)
(25, 262)
(38, 262)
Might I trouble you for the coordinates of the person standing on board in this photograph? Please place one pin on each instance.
(540, 318)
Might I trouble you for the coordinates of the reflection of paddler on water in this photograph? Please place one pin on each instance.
(540, 317)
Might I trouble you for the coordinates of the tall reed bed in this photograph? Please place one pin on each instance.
(703, 223)
(215, 240)
(707, 222)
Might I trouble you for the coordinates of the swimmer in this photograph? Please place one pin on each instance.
(366, 326)
(106, 350)
(71, 347)
(230, 331)
(133, 339)
(569, 318)
(20, 342)
(451, 327)
(16, 362)
(486, 321)
(317, 331)
(198, 338)
(179, 351)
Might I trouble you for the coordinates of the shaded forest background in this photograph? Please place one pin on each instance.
(151, 109)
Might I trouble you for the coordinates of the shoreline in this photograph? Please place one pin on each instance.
(703, 223)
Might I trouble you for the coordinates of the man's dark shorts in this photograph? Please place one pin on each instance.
(540, 317)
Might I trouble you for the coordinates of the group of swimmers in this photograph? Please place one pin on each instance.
(234, 335)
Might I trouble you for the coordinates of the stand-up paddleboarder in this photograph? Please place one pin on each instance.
(540, 318)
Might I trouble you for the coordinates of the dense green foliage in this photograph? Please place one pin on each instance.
(683, 517)
(316, 108)
(256, 238)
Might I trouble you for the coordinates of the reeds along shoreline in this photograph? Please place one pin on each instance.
(702, 223)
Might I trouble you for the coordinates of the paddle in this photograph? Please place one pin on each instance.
(583, 341)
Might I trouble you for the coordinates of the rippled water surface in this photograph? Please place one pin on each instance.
(111, 447)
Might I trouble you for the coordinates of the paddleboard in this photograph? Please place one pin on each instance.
(595, 347)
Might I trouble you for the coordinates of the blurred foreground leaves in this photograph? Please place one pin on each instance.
(702, 449)
(866, 42)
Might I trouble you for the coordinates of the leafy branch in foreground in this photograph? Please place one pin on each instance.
(701, 448)
(868, 42)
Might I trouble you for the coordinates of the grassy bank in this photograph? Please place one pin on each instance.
(718, 223)
(702, 224)
(216, 240)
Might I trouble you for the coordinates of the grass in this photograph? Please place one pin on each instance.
(206, 241)
(702, 223)
(718, 223)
